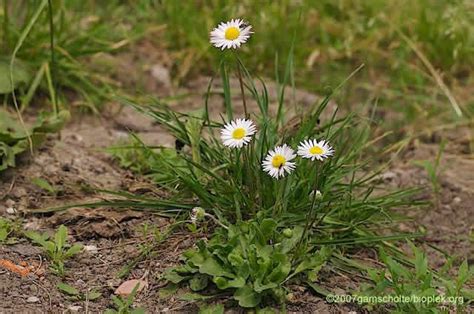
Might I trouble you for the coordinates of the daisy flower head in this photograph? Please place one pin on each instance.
(238, 133)
(313, 149)
(278, 161)
(197, 213)
(230, 34)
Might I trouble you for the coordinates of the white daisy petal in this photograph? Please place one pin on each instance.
(312, 149)
(231, 34)
(238, 133)
(278, 162)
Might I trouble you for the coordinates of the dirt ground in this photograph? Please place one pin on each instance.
(75, 161)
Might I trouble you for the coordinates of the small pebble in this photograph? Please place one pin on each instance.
(457, 200)
(389, 176)
(77, 137)
(80, 282)
(32, 300)
(11, 211)
(91, 249)
(74, 308)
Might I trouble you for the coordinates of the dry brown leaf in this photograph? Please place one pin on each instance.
(127, 287)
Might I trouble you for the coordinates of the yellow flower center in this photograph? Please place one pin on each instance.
(278, 161)
(232, 33)
(316, 150)
(238, 134)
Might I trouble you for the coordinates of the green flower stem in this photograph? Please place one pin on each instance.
(238, 171)
(239, 71)
(278, 208)
(311, 215)
(6, 30)
(241, 82)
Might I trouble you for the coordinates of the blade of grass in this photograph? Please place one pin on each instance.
(18, 45)
(434, 73)
(226, 87)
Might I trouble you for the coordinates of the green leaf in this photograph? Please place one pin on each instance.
(194, 297)
(223, 283)
(43, 184)
(7, 156)
(421, 262)
(316, 261)
(70, 290)
(13, 136)
(93, 295)
(396, 269)
(267, 228)
(168, 291)
(37, 238)
(60, 237)
(318, 289)
(198, 282)
(50, 247)
(260, 288)
(212, 309)
(73, 250)
(280, 271)
(247, 297)
(51, 122)
(174, 277)
(10, 130)
(3, 234)
(21, 75)
(118, 301)
(211, 267)
(289, 243)
(463, 274)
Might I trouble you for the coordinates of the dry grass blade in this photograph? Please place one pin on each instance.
(435, 74)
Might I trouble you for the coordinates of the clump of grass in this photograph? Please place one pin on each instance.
(268, 232)
(53, 39)
(421, 283)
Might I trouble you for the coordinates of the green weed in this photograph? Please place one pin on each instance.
(9, 230)
(15, 140)
(124, 305)
(433, 170)
(76, 295)
(56, 249)
(251, 259)
(439, 290)
(44, 185)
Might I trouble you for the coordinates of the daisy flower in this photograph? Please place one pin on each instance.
(278, 161)
(313, 149)
(238, 133)
(230, 34)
